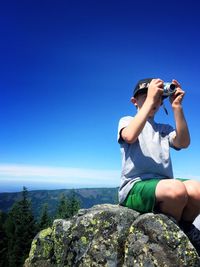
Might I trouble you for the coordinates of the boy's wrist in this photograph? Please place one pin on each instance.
(149, 102)
(177, 107)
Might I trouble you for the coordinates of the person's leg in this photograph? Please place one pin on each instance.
(142, 196)
(181, 200)
(171, 197)
(190, 212)
(192, 209)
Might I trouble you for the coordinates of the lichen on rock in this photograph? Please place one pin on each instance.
(112, 235)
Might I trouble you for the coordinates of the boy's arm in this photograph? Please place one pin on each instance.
(130, 133)
(182, 138)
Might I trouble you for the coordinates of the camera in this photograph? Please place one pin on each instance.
(168, 89)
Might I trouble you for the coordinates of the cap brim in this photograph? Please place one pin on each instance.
(140, 91)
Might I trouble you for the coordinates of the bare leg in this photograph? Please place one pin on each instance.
(192, 209)
(171, 197)
(181, 200)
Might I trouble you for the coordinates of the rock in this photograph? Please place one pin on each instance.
(111, 235)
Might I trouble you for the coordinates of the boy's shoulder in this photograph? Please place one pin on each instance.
(124, 121)
(126, 118)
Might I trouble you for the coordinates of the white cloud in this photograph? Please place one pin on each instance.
(15, 172)
(25, 172)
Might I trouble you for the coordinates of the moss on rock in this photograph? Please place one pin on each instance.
(110, 235)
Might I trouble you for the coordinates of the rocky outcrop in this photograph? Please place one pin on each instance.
(111, 235)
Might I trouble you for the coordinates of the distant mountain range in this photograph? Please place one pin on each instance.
(88, 197)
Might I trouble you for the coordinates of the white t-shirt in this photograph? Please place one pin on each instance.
(148, 157)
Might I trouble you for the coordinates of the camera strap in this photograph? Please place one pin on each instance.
(165, 109)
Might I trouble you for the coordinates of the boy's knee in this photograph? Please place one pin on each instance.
(179, 194)
(175, 192)
(193, 189)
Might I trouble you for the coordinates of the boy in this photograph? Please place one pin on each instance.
(147, 182)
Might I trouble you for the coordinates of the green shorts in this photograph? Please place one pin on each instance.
(142, 196)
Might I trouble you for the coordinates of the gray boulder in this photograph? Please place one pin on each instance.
(112, 236)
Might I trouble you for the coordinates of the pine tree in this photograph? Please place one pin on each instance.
(68, 206)
(62, 211)
(3, 241)
(45, 220)
(74, 203)
(21, 229)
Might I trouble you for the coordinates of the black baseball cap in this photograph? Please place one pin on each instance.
(142, 86)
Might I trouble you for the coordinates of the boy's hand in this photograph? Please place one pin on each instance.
(177, 98)
(155, 90)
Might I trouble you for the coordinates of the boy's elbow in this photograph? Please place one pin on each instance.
(129, 141)
(186, 144)
(129, 138)
(183, 144)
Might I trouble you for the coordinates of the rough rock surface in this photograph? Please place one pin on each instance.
(110, 235)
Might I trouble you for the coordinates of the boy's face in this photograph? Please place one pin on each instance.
(139, 100)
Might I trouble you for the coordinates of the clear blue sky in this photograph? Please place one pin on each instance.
(66, 77)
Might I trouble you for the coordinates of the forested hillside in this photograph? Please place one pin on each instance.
(87, 197)
(24, 214)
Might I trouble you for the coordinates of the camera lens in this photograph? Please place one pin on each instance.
(172, 86)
